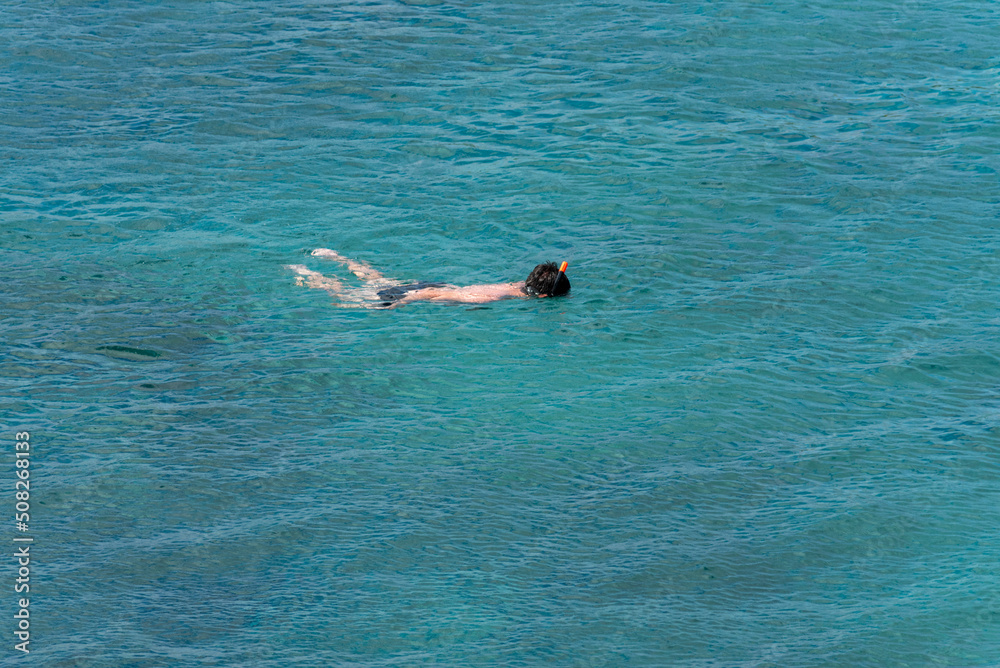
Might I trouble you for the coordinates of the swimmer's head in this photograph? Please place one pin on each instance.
(543, 281)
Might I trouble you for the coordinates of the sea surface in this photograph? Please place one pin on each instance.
(762, 430)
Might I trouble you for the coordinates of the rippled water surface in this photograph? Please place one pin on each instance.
(762, 430)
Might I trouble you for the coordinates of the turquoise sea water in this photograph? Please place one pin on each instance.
(762, 431)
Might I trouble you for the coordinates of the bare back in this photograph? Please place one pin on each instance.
(469, 294)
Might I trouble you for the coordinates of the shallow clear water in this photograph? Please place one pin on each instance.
(763, 430)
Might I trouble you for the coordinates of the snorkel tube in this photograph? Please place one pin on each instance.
(562, 272)
(555, 283)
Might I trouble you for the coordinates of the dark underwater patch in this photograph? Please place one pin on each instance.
(131, 353)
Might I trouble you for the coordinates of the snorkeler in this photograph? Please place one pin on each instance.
(545, 280)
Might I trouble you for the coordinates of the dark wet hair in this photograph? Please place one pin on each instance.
(540, 281)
